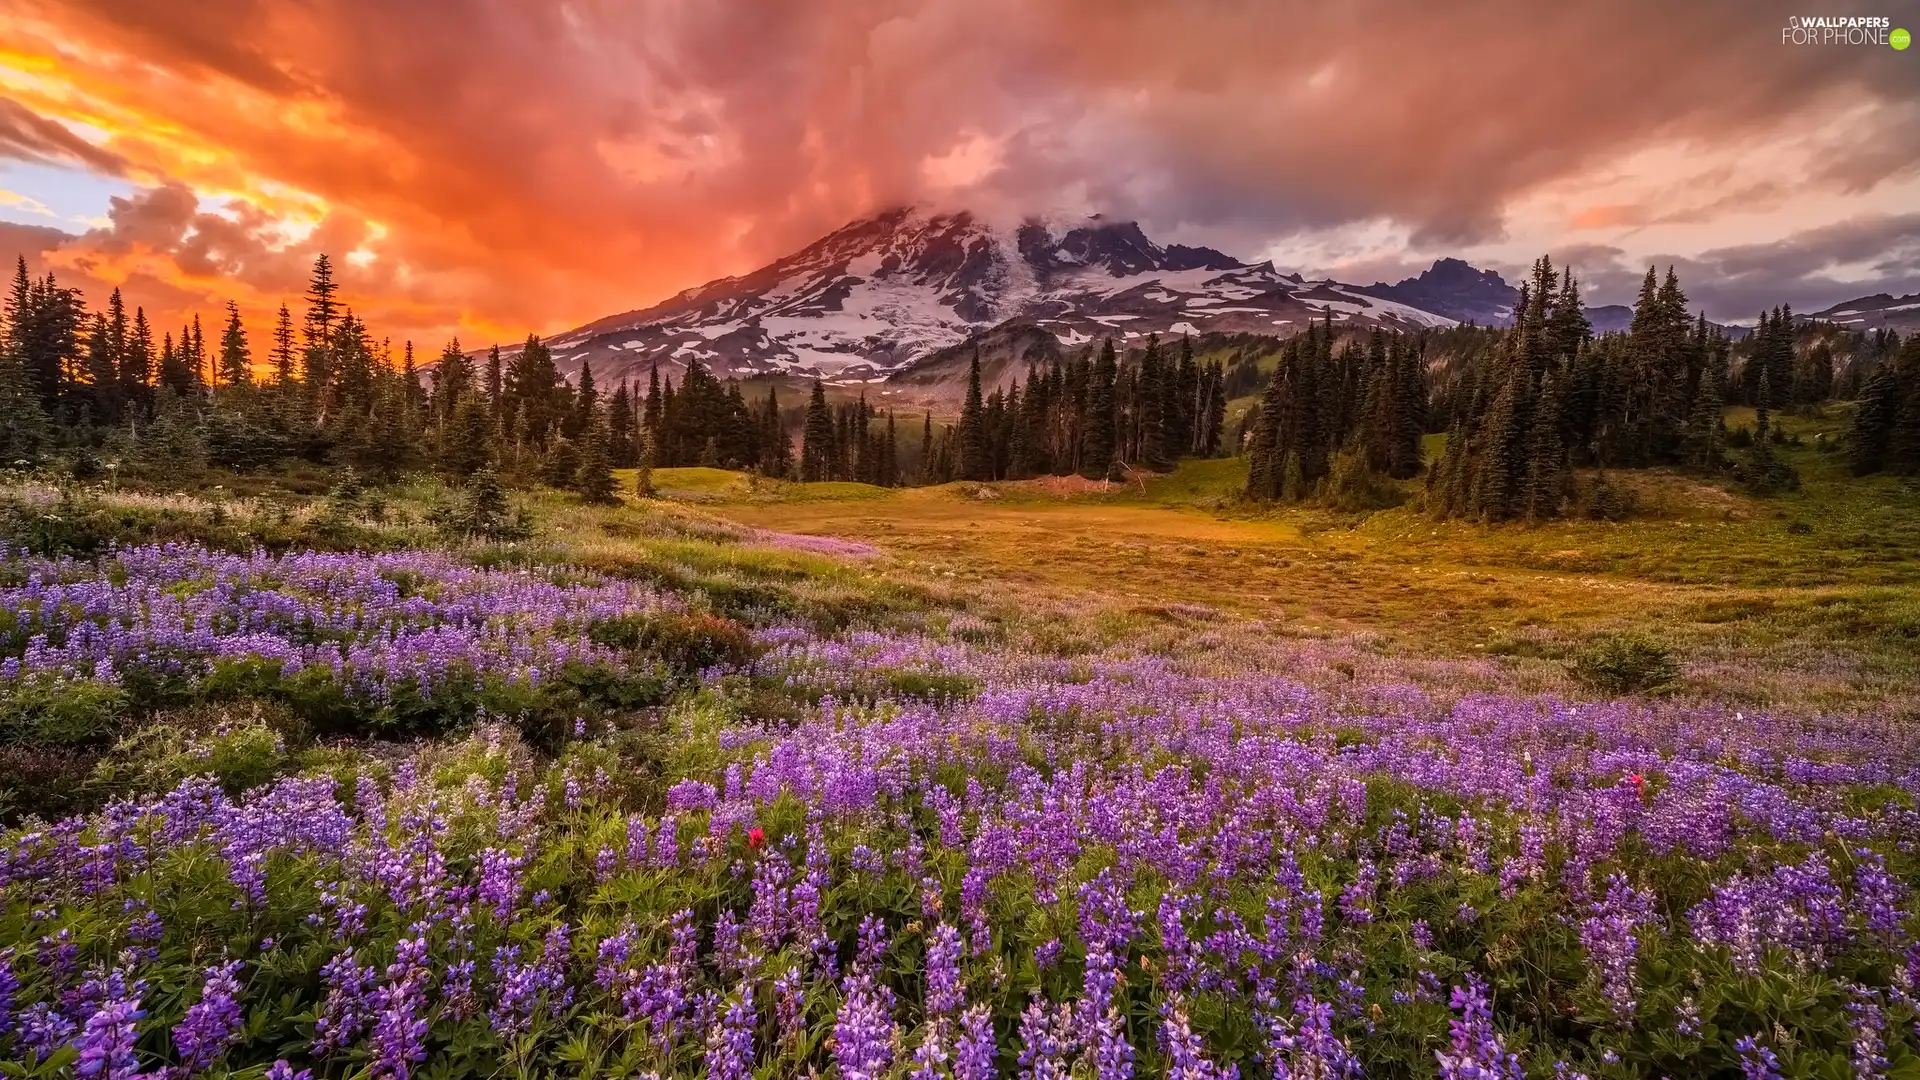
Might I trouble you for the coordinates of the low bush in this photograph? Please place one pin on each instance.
(1627, 664)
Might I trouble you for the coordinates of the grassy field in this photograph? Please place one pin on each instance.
(902, 754)
(1810, 599)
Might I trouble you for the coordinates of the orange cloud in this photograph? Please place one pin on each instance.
(504, 165)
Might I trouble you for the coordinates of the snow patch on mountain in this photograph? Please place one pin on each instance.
(873, 296)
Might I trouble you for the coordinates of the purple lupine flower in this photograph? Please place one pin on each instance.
(975, 1050)
(1047, 953)
(1357, 898)
(1046, 1038)
(931, 1053)
(1101, 1026)
(212, 1024)
(944, 994)
(1478, 1052)
(1756, 1061)
(106, 1042)
(1186, 1057)
(1611, 937)
(871, 942)
(1687, 1017)
(1309, 1048)
(789, 1006)
(44, 1029)
(526, 992)
(863, 1031)
(9, 985)
(344, 1013)
(280, 1070)
(400, 1025)
(1869, 1023)
(730, 1042)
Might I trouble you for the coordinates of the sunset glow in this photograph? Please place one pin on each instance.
(489, 169)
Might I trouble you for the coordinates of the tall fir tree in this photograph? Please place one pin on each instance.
(975, 459)
(816, 438)
(236, 359)
(282, 354)
(1098, 445)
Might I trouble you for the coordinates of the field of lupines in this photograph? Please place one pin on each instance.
(899, 855)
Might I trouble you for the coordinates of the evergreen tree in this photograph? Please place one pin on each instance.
(890, 455)
(18, 312)
(926, 449)
(621, 448)
(534, 388)
(643, 469)
(465, 446)
(1547, 466)
(1155, 449)
(1706, 431)
(1813, 375)
(975, 458)
(103, 373)
(1903, 443)
(561, 465)
(593, 478)
(816, 438)
(283, 349)
(236, 360)
(136, 366)
(585, 403)
(23, 426)
(1098, 446)
(1873, 421)
(777, 449)
(1763, 472)
(176, 376)
(453, 384)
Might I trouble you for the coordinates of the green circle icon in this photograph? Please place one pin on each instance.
(1900, 39)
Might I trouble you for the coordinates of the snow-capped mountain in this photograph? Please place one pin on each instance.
(1881, 310)
(869, 298)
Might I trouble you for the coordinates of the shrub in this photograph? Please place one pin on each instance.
(1602, 501)
(1353, 488)
(481, 509)
(689, 642)
(240, 745)
(1627, 664)
(53, 712)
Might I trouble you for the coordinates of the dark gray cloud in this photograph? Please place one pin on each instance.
(28, 136)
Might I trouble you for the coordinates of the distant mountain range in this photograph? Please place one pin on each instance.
(873, 299)
(1877, 312)
(1457, 290)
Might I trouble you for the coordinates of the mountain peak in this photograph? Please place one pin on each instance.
(1457, 289)
(877, 293)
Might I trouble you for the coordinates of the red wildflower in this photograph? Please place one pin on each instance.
(756, 837)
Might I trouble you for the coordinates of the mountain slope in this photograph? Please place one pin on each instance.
(1879, 311)
(867, 299)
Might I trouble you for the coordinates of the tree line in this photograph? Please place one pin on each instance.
(1526, 408)
(1095, 414)
(1523, 408)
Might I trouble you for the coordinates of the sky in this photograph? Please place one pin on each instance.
(489, 168)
